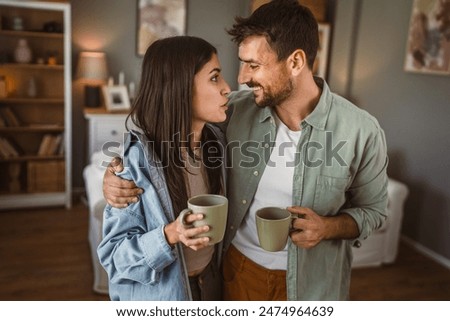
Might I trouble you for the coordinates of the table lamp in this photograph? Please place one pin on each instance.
(92, 71)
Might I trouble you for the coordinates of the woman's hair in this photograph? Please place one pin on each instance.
(163, 110)
(286, 25)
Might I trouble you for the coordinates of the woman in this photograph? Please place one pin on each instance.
(147, 252)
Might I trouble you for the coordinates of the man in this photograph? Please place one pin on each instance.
(293, 143)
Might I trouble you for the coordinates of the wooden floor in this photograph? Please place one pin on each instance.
(44, 255)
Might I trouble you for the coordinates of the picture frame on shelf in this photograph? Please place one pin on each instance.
(321, 62)
(158, 19)
(116, 98)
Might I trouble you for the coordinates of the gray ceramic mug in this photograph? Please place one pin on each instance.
(273, 225)
(215, 211)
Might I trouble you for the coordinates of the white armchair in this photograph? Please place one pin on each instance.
(382, 246)
(93, 179)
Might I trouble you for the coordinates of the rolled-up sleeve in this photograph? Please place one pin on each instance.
(368, 191)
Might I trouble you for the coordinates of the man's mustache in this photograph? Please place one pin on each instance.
(253, 84)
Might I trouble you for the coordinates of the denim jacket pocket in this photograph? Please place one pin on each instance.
(330, 194)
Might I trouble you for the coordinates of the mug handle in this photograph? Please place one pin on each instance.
(293, 217)
(182, 215)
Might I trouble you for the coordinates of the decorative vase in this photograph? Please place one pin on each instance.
(22, 53)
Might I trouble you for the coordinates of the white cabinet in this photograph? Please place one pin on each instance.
(35, 108)
(105, 131)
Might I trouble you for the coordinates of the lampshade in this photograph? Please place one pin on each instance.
(92, 66)
(93, 72)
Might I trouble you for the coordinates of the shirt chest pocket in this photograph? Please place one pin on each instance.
(330, 194)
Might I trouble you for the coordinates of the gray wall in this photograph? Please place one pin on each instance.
(413, 109)
(366, 66)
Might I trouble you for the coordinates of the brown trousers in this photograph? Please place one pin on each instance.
(244, 280)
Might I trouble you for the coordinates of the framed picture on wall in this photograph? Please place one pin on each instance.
(428, 43)
(317, 7)
(255, 4)
(321, 62)
(116, 98)
(159, 19)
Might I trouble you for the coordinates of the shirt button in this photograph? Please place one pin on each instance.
(231, 227)
(244, 201)
(256, 173)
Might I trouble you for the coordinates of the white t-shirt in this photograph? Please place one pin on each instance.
(274, 189)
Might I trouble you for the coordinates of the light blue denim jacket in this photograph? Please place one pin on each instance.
(141, 265)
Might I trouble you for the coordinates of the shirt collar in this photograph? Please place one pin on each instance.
(319, 116)
(266, 113)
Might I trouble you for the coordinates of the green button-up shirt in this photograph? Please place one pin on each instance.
(340, 167)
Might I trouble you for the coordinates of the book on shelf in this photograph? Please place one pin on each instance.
(9, 117)
(7, 149)
(56, 141)
(62, 146)
(44, 146)
(4, 153)
(49, 145)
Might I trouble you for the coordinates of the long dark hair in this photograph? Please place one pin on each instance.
(163, 110)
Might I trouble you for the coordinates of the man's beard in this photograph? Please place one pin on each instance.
(274, 99)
